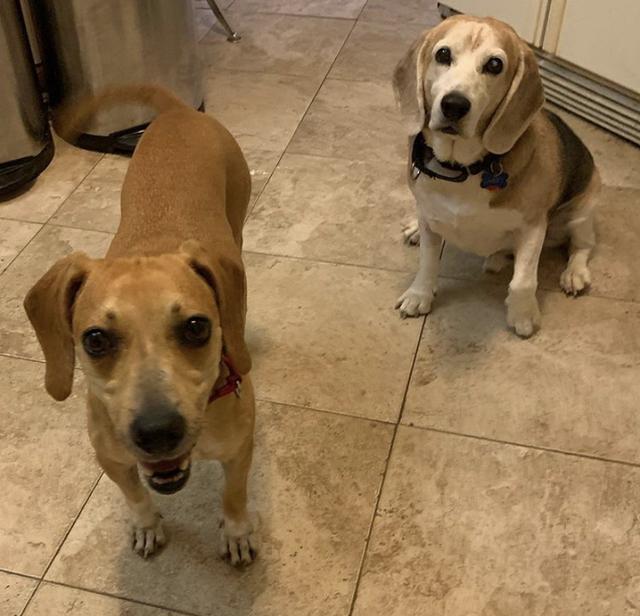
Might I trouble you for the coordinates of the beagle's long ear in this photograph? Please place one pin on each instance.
(224, 273)
(49, 306)
(523, 100)
(408, 83)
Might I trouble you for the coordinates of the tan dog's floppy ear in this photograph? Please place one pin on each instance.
(49, 306)
(408, 83)
(224, 273)
(522, 101)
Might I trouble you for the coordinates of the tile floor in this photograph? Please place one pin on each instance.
(419, 467)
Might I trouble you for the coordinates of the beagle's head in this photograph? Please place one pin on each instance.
(149, 333)
(470, 78)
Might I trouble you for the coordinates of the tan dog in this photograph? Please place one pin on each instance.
(158, 324)
(491, 171)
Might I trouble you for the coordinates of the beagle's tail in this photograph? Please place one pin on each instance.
(70, 119)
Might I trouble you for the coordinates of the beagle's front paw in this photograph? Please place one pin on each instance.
(148, 539)
(523, 313)
(238, 542)
(575, 279)
(414, 302)
(411, 232)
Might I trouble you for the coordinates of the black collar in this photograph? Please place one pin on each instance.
(423, 160)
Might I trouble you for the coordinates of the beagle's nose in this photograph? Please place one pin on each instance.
(455, 106)
(158, 430)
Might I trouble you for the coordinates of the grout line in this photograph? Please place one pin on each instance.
(122, 598)
(28, 576)
(22, 358)
(385, 422)
(572, 454)
(354, 597)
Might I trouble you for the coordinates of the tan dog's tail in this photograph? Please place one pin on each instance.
(70, 119)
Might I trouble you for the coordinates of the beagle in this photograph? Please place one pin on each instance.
(158, 324)
(491, 171)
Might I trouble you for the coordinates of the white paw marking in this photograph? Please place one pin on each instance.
(411, 233)
(575, 279)
(523, 314)
(148, 539)
(238, 542)
(414, 302)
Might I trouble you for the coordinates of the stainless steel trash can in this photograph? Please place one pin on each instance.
(26, 147)
(92, 44)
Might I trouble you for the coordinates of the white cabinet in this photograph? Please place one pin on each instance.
(525, 16)
(601, 38)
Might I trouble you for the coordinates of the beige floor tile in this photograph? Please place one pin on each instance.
(418, 11)
(573, 386)
(613, 265)
(357, 220)
(261, 111)
(47, 466)
(53, 600)
(15, 591)
(348, 9)
(617, 159)
(314, 481)
(95, 204)
(14, 236)
(373, 50)
(326, 336)
(353, 120)
(261, 165)
(52, 243)
(282, 44)
(467, 527)
(67, 169)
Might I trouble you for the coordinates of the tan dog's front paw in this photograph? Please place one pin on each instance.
(148, 539)
(523, 313)
(414, 302)
(238, 542)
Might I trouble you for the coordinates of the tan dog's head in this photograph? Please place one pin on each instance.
(149, 332)
(470, 78)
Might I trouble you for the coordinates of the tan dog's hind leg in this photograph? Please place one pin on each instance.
(148, 534)
(237, 540)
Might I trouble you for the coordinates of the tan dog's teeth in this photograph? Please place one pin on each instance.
(146, 471)
(184, 465)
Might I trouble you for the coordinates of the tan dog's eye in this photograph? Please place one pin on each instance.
(98, 342)
(443, 56)
(196, 331)
(493, 66)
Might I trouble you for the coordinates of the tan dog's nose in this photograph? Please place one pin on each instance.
(158, 429)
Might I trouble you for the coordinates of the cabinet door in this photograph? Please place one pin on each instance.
(525, 16)
(602, 38)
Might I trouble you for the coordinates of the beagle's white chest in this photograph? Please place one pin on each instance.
(460, 213)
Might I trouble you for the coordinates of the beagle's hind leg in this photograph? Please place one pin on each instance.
(582, 240)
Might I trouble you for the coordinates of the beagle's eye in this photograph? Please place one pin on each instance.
(196, 331)
(443, 56)
(493, 66)
(98, 342)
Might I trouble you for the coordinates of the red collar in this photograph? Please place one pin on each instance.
(231, 383)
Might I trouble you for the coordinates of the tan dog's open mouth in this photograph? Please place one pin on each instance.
(168, 476)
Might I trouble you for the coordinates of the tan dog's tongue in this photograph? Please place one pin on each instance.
(164, 465)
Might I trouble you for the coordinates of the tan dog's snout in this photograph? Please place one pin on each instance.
(158, 427)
